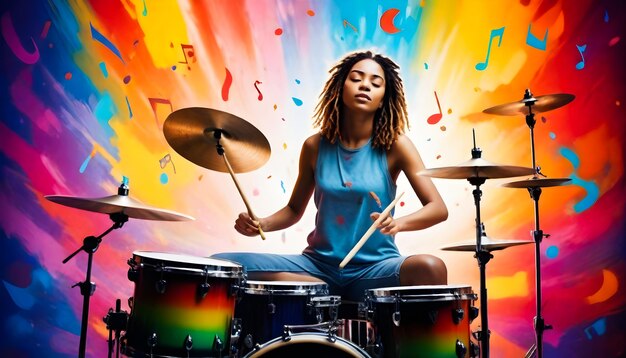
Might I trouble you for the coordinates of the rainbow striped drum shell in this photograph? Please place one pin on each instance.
(183, 306)
(422, 321)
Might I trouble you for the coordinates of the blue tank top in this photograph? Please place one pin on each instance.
(344, 179)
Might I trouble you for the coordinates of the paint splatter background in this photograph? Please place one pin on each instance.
(86, 86)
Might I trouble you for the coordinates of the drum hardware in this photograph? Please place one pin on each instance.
(115, 321)
(120, 208)
(205, 136)
(534, 185)
(477, 171)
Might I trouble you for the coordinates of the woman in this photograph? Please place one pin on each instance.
(351, 167)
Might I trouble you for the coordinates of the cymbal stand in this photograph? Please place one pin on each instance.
(535, 192)
(483, 257)
(116, 321)
(217, 134)
(87, 288)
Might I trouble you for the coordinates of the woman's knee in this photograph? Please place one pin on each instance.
(423, 270)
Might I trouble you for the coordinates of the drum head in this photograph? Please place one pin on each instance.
(182, 261)
(425, 293)
(286, 288)
(308, 345)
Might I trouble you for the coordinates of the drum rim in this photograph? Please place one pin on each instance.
(301, 337)
(285, 288)
(212, 267)
(427, 293)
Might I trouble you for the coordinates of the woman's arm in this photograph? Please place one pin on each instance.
(300, 196)
(403, 156)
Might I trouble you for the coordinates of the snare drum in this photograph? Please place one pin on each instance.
(267, 306)
(182, 305)
(315, 344)
(422, 321)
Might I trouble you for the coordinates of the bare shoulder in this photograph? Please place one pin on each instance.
(401, 151)
(310, 148)
(312, 143)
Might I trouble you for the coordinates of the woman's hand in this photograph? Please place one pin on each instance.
(246, 226)
(387, 226)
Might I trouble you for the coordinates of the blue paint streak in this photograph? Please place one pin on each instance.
(20, 296)
(103, 40)
(552, 135)
(130, 110)
(282, 185)
(83, 167)
(593, 193)
(571, 156)
(103, 68)
(598, 326)
(105, 109)
(164, 179)
(297, 101)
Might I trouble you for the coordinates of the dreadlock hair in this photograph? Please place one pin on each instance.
(389, 121)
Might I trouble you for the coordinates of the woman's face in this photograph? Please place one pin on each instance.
(364, 88)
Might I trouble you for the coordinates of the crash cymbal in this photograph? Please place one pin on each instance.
(541, 104)
(119, 204)
(477, 168)
(487, 244)
(191, 132)
(535, 182)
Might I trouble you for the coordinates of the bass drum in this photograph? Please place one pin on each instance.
(314, 344)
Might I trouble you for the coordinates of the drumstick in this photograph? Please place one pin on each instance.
(369, 232)
(243, 196)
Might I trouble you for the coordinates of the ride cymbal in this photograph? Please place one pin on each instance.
(192, 134)
(477, 168)
(486, 243)
(540, 104)
(535, 182)
(119, 204)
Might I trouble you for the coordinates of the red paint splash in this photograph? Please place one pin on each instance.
(340, 220)
(226, 86)
(278, 31)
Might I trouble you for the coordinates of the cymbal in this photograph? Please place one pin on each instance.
(190, 131)
(487, 244)
(477, 168)
(119, 204)
(541, 104)
(535, 182)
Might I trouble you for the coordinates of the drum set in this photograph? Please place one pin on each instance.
(189, 306)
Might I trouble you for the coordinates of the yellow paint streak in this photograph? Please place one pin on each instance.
(163, 25)
(511, 286)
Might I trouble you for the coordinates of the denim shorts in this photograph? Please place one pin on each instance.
(350, 283)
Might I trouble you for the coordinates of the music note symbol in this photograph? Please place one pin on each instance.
(189, 53)
(580, 65)
(433, 119)
(260, 98)
(165, 160)
(494, 33)
(153, 104)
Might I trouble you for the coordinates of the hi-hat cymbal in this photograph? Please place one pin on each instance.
(191, 132)
(119, 204)
(477, 168)
(535, 182)
(541, 104)
(486, 243)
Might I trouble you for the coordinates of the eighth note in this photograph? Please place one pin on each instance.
(189, 53)
(257, 89)
(494, 33)
(580, 65)
(433, 119)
